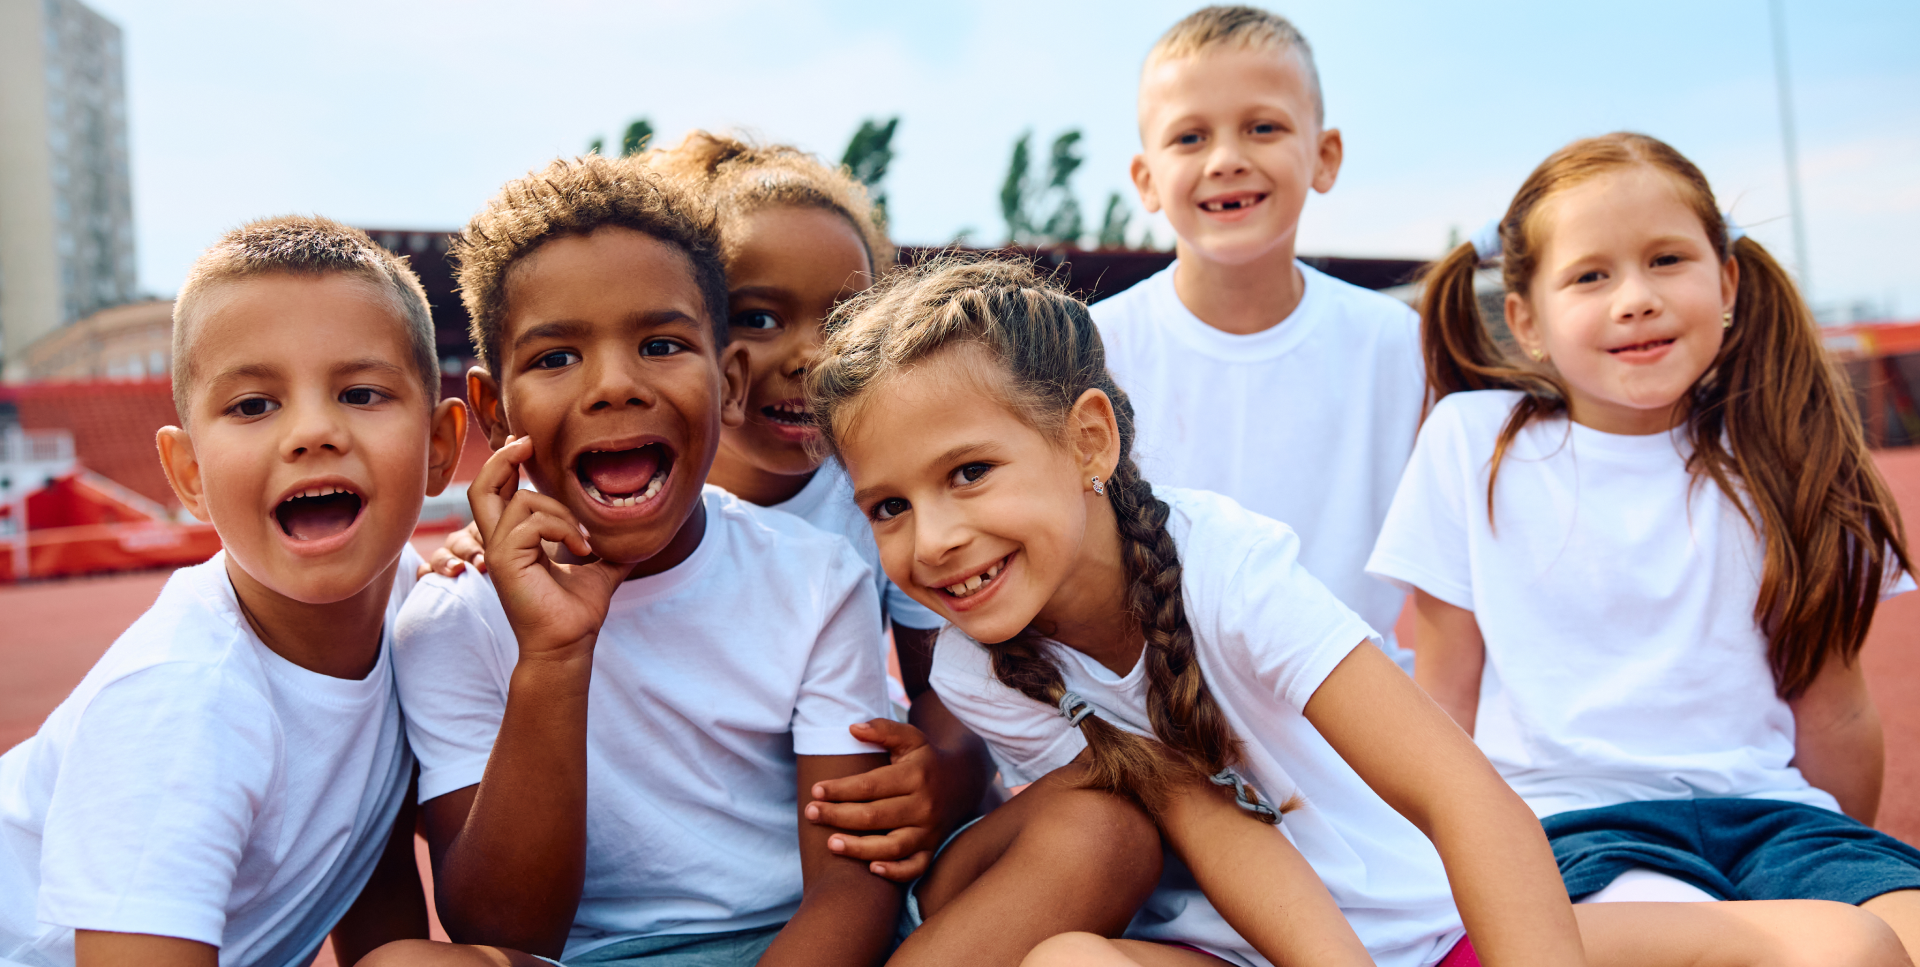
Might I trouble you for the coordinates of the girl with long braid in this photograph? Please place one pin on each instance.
(1156, 646)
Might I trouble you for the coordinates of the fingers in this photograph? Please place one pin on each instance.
(442, 562)
(892, 847)
(497, 482)
(530, 518)
(890, 813)
(897, 738)
(903, 871)
(883, 783)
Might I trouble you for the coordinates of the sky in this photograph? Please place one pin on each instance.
(410, 113)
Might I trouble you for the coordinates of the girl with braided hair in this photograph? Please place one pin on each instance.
(1157, 646)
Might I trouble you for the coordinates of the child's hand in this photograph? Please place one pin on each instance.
(461, 549)
(555, 608)
(905, 796)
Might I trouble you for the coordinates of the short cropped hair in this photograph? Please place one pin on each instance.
(575, 197)
(303, 245)
(1239, 28)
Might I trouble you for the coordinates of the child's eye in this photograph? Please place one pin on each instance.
(1265, 127)
(889, 508)
(661, 347)
(1191, 137)
(756, 319)
(970, 473)
(557, 359)
(1666, 260)
(1593, 276)
(361, 396)
(253, 406)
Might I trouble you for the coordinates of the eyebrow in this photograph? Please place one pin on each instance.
(952, 456)
(367, 365)
(579, 329)
(245, 372)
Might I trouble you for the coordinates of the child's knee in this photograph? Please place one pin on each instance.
(403, 953)
(1845, 936)
(1102, 830)
(1076, 949)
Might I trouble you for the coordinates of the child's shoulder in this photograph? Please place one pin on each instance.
(746, 528)
(1473, 414)
(1217, 528)
(196, 621)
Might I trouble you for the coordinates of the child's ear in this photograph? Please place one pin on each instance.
(1729, 283)
(1093, 433)
(443, 448)
(1332, 152)
(1521, 323)
(733, 390)
(1143, 183)
(484, 391)
(183, 470)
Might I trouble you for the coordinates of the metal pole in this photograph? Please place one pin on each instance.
(1787, 143)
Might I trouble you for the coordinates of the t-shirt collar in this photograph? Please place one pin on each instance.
(653, 587)
(1265, 344)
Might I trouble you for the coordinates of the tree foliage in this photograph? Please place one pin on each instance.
(867, 156)
(1113, 225)
(1046, 213)
(636, 138)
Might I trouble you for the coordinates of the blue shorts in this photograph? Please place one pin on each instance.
(738, 948)
(1735, 849)
(910, 918)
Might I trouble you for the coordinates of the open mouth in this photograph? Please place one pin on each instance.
(318, 513)
(1233, 203)
(624, 478)
(1641, 347)
(792, 413)
(971, 586)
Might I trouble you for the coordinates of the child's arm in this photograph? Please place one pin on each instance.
(1452, 656)
(1837, 742)
(510, 852)
(392, 906)
(1403, 745)
(847, 916)
(1258, 881)
(98, 948)
(935, 781)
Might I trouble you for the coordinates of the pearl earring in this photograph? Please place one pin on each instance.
(1726, 320)
(1099, 489)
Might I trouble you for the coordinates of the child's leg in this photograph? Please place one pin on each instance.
(1755, 933)
(1093, 950)
(1901, 910)
(433, 953)
(1054, 859)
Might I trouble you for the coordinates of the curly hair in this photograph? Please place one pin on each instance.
(576, 197)
(739, 178)
(302, 245)
(1051, 354)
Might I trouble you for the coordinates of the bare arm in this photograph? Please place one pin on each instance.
(1258, 881)
(1452, 656)
(98, 948)
(1504, 878)
(1837, 742)
(391, 906)
(847, 916)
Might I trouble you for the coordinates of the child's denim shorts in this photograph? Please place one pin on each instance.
(1735, 849)
(738, 948)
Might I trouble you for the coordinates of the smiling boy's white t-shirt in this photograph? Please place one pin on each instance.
(1266, 635)
(1615, 594)
(198, 785)
(1308, 422)
(708, 679)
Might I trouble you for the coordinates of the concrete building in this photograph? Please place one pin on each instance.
(66, 205)
(131, 341)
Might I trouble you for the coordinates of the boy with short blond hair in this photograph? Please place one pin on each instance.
(229, 783)
(1252, 374)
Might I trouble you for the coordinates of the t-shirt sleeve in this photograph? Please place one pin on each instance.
(1282, 622)
(904, 610)
(450, 690)
(1027, 738)
(157, 797)
(845, 682)
(1423, 541)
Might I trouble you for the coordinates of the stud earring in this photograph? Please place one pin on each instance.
(1726, 320)
(1539, 355)
(1099, 489)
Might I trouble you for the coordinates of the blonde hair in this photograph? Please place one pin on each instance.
(739, 178)
(1046, 345)
(1239, 28)
(305, 245)
(576, 196)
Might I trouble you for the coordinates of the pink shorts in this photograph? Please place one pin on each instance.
(1461, 955)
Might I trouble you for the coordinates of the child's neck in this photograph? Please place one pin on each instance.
(1239, 299)
(1089, 612)
(340, 639)
(754, 485)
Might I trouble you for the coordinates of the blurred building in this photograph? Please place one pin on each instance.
(125, 342)
(66, 205)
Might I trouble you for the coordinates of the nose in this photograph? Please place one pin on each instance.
(803, 351)
(939, 531)
(1635, 298)
(313, 425)
(1226, 159)
(614, 381)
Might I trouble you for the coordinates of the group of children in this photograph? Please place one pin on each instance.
(1139, 557)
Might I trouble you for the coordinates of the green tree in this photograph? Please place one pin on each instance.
(1048, 214)
(1014, 191)
(596, 145)
(1064, 225)
(1113, 225)
(867, 157)
(636, 138)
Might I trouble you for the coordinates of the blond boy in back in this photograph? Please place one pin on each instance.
(1252, 374)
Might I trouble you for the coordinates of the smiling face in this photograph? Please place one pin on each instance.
(609, 363)
(978, 515)
(308, 429)
(788, 269)
(1627, 299)
(1231, 144)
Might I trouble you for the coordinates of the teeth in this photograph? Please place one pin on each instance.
(972, 584)
(653, 488)
(320, 492)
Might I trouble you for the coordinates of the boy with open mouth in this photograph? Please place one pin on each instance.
(621, 721)
(230, 782)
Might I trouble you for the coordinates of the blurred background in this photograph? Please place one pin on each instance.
(134, 132)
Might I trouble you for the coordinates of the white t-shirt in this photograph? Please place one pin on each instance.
(198, 785)
(1308, 422)
(708, 679)
(1266, 634)
(1615, 594)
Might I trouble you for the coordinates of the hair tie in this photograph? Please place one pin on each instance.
(1734, 232)
(1074, 708)
(1486, 241)
(1243, 795)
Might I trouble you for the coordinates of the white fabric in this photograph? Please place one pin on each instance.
(1308, 422)
(1266, 634)
(1616, 599)
(198, 785)
(1642, 885)
(708, 679)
